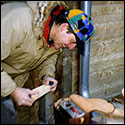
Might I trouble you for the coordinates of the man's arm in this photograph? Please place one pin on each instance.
(47, 70)
(7, 84)
(13, 29)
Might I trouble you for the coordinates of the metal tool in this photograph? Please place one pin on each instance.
(50, 83)
(71, 109)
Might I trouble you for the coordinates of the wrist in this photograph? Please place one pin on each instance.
(45, 77)
(14, 91)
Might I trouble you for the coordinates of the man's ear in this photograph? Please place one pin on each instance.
(64, 26)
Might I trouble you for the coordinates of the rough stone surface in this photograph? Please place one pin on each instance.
(107, 49)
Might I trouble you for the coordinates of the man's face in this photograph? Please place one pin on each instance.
(63, 38)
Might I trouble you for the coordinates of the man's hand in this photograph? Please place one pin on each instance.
(47, 79)
(22, 96)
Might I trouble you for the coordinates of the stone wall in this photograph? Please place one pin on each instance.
(107, 49)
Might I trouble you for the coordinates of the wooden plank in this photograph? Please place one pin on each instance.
(43, 89)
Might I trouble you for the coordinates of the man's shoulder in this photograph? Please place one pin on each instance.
(14, 8)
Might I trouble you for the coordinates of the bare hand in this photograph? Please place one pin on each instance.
(22, 96)
(48, 79)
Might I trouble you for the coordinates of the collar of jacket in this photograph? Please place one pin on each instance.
(49, 23)
(47, 7)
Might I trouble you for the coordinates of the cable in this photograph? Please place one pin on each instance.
(51, 119)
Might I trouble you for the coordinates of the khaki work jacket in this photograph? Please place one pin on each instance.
(21, 48)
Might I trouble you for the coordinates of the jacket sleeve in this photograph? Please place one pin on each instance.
(7, 84)
(48, 67)
(12, 33)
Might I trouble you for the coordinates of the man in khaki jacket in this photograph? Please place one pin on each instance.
(32, 34)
